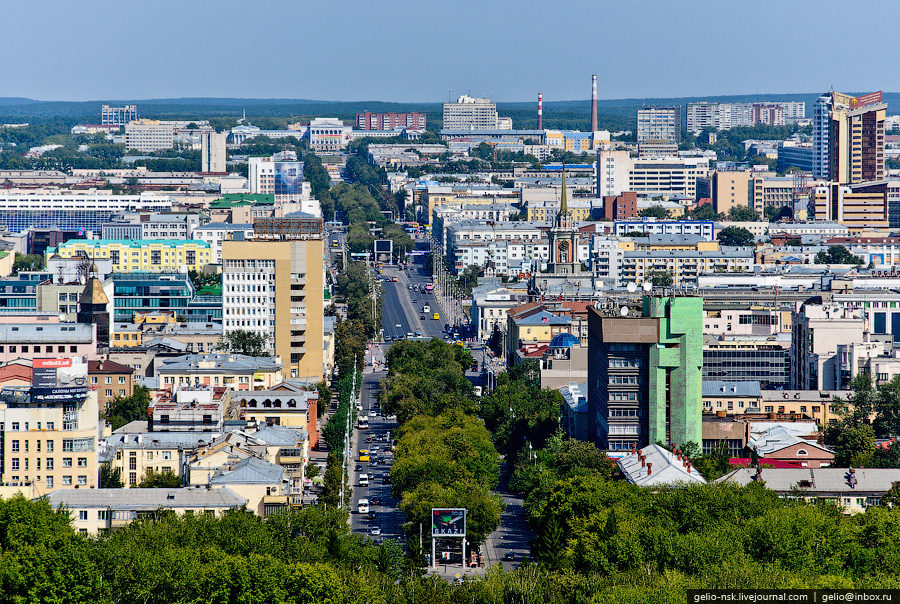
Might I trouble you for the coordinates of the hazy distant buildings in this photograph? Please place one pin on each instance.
(117, 116)
(469, 113)
(724, 116)
(390, 121)
(658, 124)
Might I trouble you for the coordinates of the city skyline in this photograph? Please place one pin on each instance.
(333, 47)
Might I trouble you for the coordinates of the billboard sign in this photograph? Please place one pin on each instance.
(59, 380)
(448, 522)
(288, 178)
(384, 246)
(866, 99)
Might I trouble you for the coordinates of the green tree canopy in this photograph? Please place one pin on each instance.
(740, 213)
(658, 212)
(245, 341)
(124, 409)
(159, 480)
(736, 236)
(837, 254)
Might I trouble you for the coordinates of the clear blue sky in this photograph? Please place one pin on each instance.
(417, 50)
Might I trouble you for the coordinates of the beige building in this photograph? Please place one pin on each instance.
(135, 453)
(49, 445)
(856, 140)
(97, 511)
(276, 288)
(236, 371)
(730, 188)
(149, 135)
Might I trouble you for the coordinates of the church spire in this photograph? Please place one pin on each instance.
(563, 206)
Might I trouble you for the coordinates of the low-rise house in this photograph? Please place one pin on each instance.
(264, 485)
(96, 511)
(853, 489)
(657, 466)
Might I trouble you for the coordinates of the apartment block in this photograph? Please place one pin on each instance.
(860, 208)
(613, 168)
(818, 330)
(730, 188)
(49, 435)
(848, 137)
(659, 123)
(390, 121)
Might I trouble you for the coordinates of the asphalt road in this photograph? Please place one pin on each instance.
(403, 308)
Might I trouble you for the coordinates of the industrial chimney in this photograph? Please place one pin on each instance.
(540, 111)
(594, 103)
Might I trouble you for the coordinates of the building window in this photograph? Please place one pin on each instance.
(166, 455)
(14, 465)
(82, 462)
(82, 515)
(82, 480)
(108, 392)
(49, 442)
(67, 462)
(67, 481)
(49, 463)
(15, 444)
(102, 514)
(49, 482)
(132, 478)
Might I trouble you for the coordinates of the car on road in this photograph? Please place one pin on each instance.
(387, 479)
(408, 334)
(375, 531)
(422, 318)
(375, 501)
(409, 287)
(509, 556)
(358, 468)
(372, 414)
(397, 325)
(371, 515)
(368, 440)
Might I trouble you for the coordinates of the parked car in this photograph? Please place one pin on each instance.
(509, 556)
(375, 531)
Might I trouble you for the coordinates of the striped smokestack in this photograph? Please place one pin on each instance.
(540, 111)
(594, 103)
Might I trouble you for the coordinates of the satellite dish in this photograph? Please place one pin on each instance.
(624, 310)
(631, 287)
(648, 286)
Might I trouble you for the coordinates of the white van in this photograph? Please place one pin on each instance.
(362, 506)
(363, 480)
(426, 309)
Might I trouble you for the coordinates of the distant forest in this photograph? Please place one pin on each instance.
(614, 114)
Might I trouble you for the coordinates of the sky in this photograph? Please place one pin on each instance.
(429, 50)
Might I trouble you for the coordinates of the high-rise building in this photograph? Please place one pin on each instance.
(768, 114)
(659, 124)
(612, 171)
(817, 331)
(117, 116)
(390, 121)
(469, 113)
(212, 151)
(645, 374)
(848, 137)
(281, 269)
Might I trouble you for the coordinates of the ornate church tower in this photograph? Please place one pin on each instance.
(564, 239)
(92, 307)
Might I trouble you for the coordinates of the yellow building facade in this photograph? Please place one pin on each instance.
(140, 255)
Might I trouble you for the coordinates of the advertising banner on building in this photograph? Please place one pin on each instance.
(866, 99)
(288, 178)
(59, 380)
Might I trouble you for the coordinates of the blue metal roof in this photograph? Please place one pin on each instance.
(564, 340)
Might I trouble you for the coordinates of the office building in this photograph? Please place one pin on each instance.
(795, 155)
(212, 151)
(111, 380)
(645, 374)
(282, 268)
(469, 113)
(141, 256)
(659, 124)
(671, 176)
(390, 121)
(22, 210)
(747, 359)
(848, 138)
(117, 116)
(214, 233)
(149, 135)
